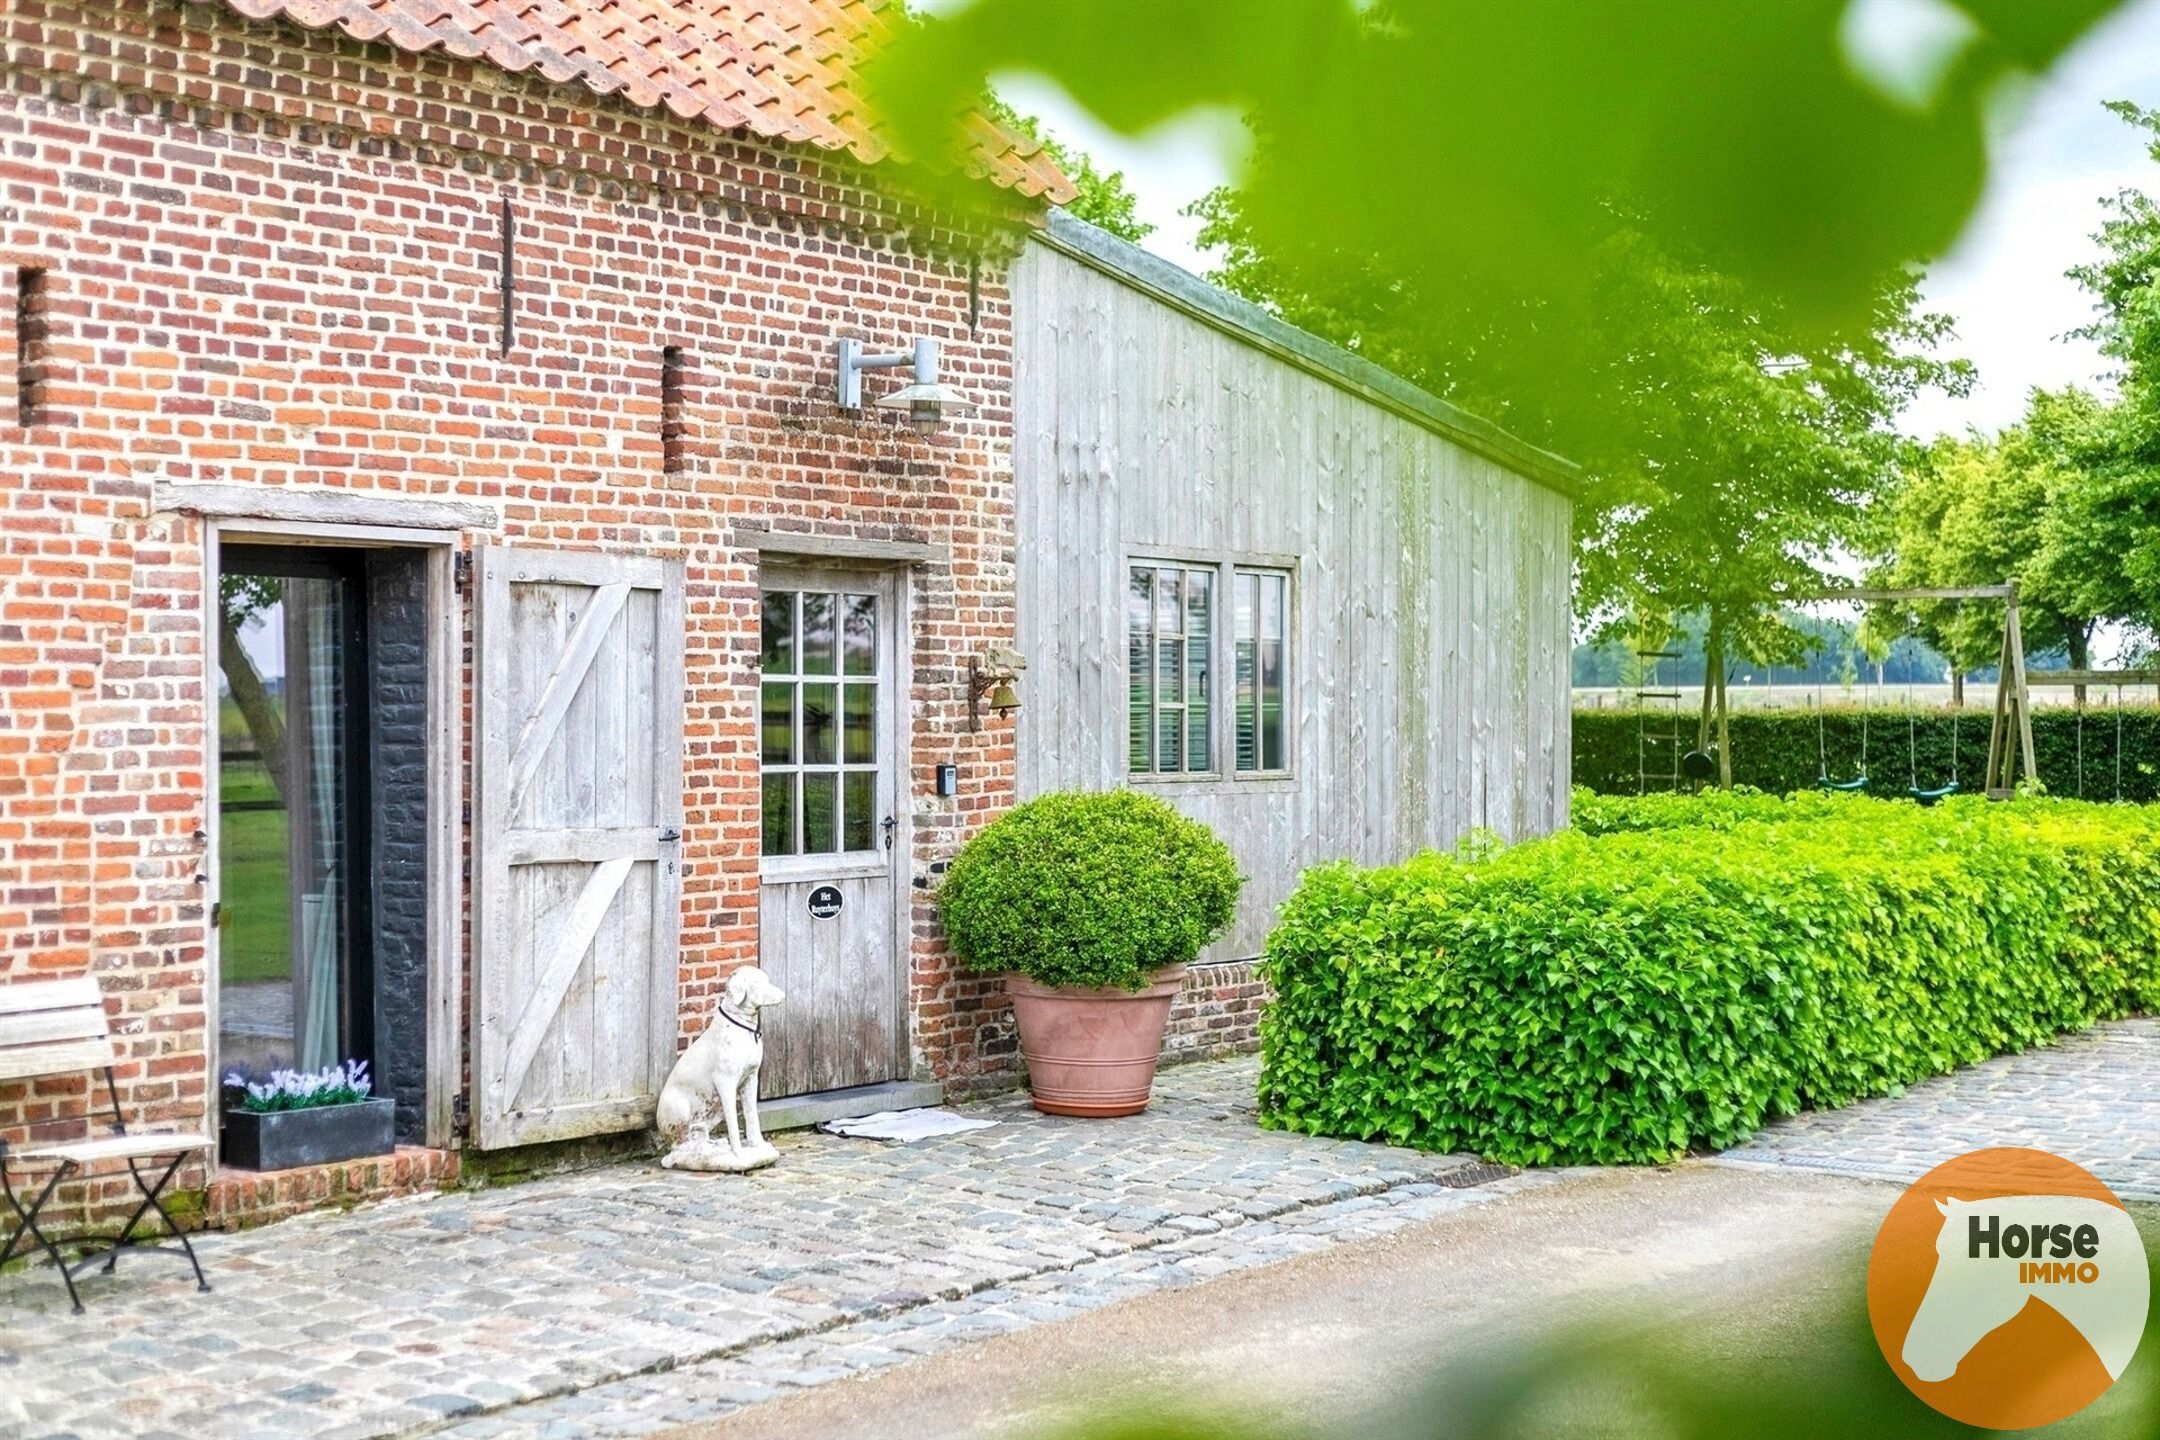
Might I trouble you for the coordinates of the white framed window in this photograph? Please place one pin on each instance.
(1187, 620)
(1170, 667)
(819, 712)
(1261, 670)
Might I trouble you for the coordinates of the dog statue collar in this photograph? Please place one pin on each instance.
(756, 1027)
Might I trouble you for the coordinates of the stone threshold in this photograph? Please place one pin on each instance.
(242, 1199)
(800, 1112)
(1454, 1174)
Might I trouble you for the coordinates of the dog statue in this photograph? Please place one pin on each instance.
(721, 1069)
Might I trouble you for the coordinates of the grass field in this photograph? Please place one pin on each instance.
(255, 932)
(1979, 696)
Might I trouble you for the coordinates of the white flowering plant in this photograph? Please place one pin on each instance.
(345, 1084)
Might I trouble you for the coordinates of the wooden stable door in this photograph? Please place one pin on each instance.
(831, 733)
(576, 830)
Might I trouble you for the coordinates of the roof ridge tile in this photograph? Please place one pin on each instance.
(784, 69)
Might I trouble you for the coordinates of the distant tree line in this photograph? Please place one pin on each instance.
(1837, 653)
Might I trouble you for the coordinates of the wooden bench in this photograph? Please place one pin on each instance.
(58, 1027)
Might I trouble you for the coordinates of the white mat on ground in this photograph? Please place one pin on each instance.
(905, 1126)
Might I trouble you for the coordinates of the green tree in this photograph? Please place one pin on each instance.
(2106, 526)
(242, 599)
(2100, 540)
(1979, 511)
(1731, 452)
(2067, 502)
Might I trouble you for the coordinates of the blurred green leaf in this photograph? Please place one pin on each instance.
(1487, 139)
(1102, 197)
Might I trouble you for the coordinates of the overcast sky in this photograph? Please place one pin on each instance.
(2004, 281)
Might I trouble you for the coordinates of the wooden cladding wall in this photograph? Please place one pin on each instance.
(1430, 607)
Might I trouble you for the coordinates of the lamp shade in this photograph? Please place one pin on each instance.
(926, 401)
(937, 394)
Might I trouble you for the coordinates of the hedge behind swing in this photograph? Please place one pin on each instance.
(1775, 750)
(1822, 750)
(1924, 794)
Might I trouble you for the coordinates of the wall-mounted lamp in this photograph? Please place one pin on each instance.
(927, 401)
(993, 678)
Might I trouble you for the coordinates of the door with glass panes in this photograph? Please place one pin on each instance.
(831, 732)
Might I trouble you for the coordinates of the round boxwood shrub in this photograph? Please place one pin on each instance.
(1088, 890)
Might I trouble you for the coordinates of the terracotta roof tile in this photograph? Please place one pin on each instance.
(779, 68)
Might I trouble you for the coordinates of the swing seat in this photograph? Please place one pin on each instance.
(1858, 782)
(1929, 797)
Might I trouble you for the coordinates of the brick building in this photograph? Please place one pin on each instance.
(448, 617)
(313, 302)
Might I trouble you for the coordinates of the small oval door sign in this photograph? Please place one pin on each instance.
(825, 902)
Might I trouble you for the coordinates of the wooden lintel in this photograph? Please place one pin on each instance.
(809, 545)
(329, 507)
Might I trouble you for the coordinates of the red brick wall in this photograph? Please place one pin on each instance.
(1217, 1013)
(271, 259)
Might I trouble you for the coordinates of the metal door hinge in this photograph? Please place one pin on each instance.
(461, 571)
(217, 913)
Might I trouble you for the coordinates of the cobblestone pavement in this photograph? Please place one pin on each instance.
(2093, 1098)
(560, 1306)
(660, 1402)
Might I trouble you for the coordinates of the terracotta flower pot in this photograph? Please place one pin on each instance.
(1092, 1052)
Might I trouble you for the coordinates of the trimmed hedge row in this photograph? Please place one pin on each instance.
(1595, 814)
(1776, 750)
(1668, 976)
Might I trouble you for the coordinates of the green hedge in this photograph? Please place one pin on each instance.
(1713, 809)
(1671, 975)
(1775, 750)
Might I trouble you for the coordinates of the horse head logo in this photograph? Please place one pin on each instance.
(2082, 1257)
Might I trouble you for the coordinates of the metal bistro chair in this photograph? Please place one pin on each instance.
(58, 1027)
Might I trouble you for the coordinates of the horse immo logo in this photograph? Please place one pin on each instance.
(2008, 1288)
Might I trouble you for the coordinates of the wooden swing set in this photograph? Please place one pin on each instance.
(2010, 737)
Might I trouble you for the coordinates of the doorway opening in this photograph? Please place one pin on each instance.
(323, 837)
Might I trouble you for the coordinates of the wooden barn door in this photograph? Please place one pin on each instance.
(576, 821)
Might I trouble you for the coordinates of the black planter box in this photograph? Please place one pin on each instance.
(324, 1135)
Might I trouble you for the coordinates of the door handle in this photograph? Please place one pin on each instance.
(888, 825)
